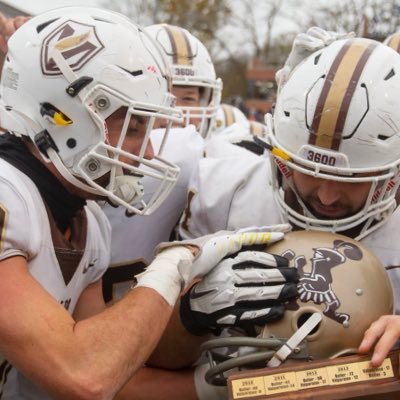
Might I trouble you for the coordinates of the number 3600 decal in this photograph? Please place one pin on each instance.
(321, 158)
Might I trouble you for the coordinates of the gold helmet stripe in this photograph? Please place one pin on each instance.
(229, 115)
(256, 129)
(181, 50)
(394, 42)
(338, 90)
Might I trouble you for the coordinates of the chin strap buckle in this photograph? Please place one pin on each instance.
(44, 141)
(284, 352)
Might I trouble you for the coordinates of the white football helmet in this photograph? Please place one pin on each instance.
(393, 41)
(342, 283)
(66, 72)
(226, 116)
(191, 65)
(337, 118)
(258, 129)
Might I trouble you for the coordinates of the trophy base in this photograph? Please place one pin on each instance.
(342, 378)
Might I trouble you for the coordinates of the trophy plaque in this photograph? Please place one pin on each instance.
(342, 378)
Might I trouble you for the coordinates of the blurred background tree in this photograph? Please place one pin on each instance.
(246, 34)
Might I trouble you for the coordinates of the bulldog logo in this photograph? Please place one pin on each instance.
(77, 42)
(316, 285)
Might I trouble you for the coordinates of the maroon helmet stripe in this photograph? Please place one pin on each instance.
(337, 93)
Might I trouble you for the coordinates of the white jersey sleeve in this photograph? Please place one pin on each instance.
(20, 226)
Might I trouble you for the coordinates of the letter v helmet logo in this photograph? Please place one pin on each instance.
(78, 43)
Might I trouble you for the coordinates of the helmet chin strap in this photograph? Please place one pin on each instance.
(66, 174)
(287, 349)
(129, 188)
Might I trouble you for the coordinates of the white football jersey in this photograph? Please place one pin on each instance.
(236, 132)
(224, 145)
(134, 238)
(29, 231)
(230, 189)
(236, 192)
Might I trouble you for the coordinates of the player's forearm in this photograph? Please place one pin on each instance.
(118, 342)
(176, 337)
(93, 358)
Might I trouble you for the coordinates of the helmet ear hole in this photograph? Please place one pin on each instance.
(302, 319)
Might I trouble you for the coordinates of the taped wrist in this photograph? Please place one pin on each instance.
(163, 274)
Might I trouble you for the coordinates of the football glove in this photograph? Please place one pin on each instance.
(304, 45)
(175, 266)
(214, 247)
(242, 291)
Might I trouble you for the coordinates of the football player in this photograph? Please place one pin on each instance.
(197, 92)
(79, 110)
(194, 82)
(196, 89)
(232, 127)
(334, 152)
(227, 115)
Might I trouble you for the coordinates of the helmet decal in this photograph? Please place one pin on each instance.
(77, 42)
(181, 50)
(316, 285)
(339, 86)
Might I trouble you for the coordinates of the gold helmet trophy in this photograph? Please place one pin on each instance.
(343, 288)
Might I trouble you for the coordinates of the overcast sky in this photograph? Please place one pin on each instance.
(38, 6)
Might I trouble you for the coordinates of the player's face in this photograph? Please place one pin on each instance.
(186, 96)
(328, 199)
(134, 135)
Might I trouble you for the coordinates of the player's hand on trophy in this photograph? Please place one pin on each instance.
(211, 249)
(304, 45)
(380, 338)
(178, 263)
(242, 291)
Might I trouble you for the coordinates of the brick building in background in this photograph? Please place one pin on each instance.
(261, 89)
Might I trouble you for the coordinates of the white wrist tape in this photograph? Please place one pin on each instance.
(204, 390)
(163, 274)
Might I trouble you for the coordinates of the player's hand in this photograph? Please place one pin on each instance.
(304, 45)
(213, 248)
(7, 27)
(177, 263)
(246, 290)
(381, 336)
